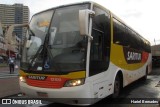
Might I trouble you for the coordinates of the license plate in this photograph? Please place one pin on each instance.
(42, 94)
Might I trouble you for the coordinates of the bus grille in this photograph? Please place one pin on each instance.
(48, 83)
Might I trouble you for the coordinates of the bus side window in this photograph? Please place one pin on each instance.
(119, 35)
(96, 48)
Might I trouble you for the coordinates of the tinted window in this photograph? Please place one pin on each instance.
(119, 33)
(123, 35)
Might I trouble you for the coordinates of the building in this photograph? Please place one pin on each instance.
(155, 55)
(155, 50)
(14, 14)
(2, 45)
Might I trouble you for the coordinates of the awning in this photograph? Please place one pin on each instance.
(11, 53)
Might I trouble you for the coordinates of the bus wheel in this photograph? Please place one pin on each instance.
(117, 87)
(145, 76)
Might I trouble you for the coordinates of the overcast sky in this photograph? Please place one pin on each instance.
(142, 15)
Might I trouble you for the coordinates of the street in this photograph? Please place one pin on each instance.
(9, 82)
(139, 89)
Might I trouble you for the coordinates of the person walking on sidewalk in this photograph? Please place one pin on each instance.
(11, 62)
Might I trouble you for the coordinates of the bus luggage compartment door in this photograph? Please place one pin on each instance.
(99, 89)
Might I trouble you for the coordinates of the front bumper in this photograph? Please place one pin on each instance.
(78, 95)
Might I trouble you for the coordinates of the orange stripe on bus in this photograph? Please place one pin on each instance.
(50, 82)
(145, 56)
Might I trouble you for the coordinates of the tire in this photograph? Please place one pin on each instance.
(117, 87)
(144, 78)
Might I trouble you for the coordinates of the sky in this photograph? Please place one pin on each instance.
(141, 15)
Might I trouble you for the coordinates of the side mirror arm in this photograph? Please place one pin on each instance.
(84, 16)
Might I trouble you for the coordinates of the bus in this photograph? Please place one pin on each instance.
(81, 53)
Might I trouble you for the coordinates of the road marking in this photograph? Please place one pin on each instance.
(8, 76)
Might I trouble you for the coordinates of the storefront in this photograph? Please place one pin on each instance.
(10, 53)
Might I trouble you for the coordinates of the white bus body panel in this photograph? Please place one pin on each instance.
(97, 86)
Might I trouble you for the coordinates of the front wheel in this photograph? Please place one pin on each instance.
(117, 87)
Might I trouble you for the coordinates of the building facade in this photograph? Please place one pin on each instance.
(155, 50)
(14, 14)
(2, 45)
(155, 55)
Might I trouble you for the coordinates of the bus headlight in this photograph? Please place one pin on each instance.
(76, 82)
(22, 79)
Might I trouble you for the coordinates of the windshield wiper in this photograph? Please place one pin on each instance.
(32, 33)
(47, 52)
(37, 53)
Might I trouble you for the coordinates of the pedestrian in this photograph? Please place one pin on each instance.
(11, 62)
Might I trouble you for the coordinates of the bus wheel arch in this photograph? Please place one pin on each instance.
(118, 84)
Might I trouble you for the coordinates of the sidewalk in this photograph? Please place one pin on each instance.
(9, 82)
(5, 73)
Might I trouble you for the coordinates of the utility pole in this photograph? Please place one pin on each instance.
(154, 41)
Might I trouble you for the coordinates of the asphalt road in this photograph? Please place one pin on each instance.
(8, 82)
(139, 89)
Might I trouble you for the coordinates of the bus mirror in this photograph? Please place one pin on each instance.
(84, 22)
(52, 35)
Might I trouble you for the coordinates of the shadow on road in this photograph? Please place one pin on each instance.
(138, 89)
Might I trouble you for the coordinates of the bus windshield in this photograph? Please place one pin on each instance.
(55, 43)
